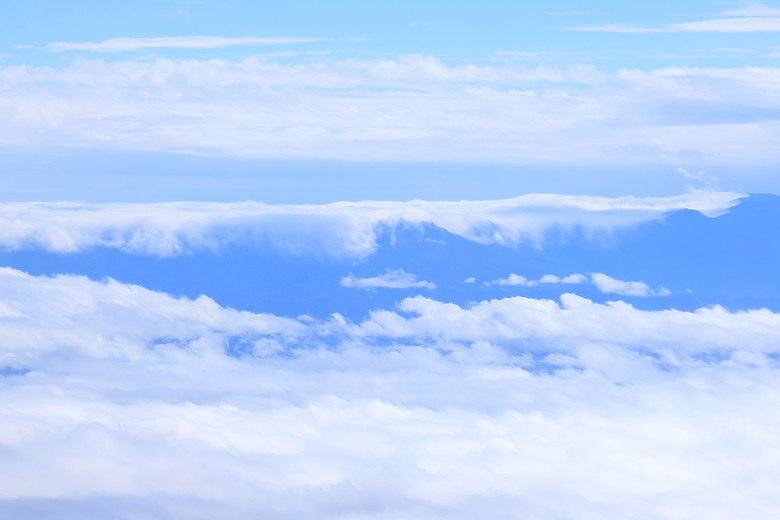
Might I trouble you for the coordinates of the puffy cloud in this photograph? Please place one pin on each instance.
(602, 282)
(113, 320)
(548, 325)
(180, 42)
(392, 279)
(569, 279)
(125, 401)
(341, 230)
(512, 279)
(607, 284)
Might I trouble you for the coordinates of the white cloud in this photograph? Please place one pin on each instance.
(719, 25)
(516, 279)
(607, 284)
(131, 404)
(547, 325)
(572, 279)
(602, 282)
(702, 177)
(512, 279)
(754, 18)
(408, 108)
(569, 279)
(179, 42)
(392, 279)
(754, 10)
(345, 229)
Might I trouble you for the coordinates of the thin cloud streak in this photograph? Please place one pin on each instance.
(172, 42)
(720, 25)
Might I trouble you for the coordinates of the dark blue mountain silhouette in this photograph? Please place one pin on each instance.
(732, 260)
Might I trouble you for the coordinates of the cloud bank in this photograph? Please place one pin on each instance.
(344, 229)
(404, 108)
(118, 401)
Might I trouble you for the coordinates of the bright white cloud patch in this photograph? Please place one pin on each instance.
(512, 279)
(118, 399)
(516, 279)
(569, 279)
(607, 284)
(392, 279)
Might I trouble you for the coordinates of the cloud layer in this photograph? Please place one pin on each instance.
(118, 401)
(343, 229)
(409, 107)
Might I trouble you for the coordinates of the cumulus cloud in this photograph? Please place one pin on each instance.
(392, 279)
(607, 284)
(569, 279)
(512, 279)
(344, 229)
(179, 42)
(602, 282)
(556, 326)
(119, 400)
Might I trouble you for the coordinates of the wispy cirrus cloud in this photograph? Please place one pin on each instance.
(172, 42)
(757, 18)
(754, 24)
(754, 10)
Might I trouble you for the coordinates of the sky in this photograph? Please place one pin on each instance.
(312, 102)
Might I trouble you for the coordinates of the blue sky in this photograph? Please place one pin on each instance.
(451, 30)
(319, 101)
